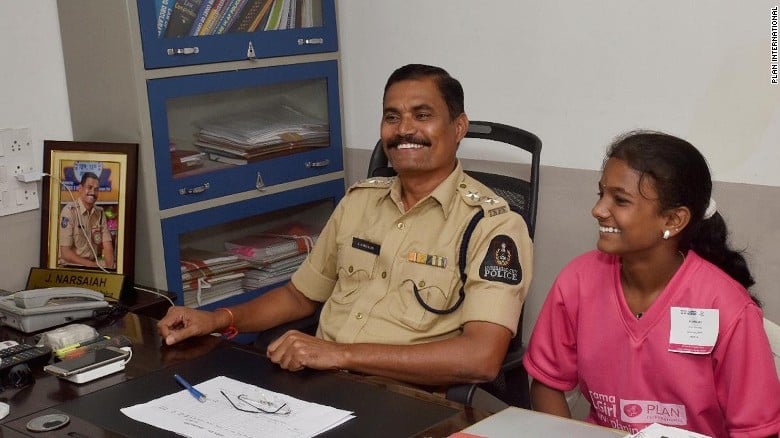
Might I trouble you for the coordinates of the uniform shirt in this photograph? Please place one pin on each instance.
(72, 216)
(371, 255)
(587, 335)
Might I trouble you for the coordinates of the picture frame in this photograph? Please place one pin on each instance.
(110, 171)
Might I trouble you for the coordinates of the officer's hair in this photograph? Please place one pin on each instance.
(449, 87)
(88, 175)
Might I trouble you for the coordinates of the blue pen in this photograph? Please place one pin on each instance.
(195, 393)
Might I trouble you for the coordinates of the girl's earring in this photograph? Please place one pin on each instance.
(667, 234)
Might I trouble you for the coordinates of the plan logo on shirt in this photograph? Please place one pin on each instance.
(648, 411)
(501, 262)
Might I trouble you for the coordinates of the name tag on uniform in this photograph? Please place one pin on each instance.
(365, 245)
(693, 331)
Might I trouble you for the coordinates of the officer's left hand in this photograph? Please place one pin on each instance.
(295, 351)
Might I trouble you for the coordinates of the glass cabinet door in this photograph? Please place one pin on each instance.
(217, 134)
(189, 32)
(236, 251)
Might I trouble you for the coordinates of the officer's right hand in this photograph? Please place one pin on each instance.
(183, 322)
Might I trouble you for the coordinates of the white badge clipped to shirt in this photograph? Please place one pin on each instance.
(693, 331)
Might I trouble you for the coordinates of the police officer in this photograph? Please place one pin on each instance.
(386, 264)
(84, 233)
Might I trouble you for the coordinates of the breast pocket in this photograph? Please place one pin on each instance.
(355, 267)
(435, 288)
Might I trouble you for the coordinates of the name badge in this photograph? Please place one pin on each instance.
(693, 331)
(365, 245)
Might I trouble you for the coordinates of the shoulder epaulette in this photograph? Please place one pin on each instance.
(489, 202)
(377, 182)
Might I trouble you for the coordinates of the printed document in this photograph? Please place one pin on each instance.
(234, 409)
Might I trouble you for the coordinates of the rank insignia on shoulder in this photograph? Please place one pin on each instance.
(502, 262)
(377, 181)
(496, 211)
(427, 259)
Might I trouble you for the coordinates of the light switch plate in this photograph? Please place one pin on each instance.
(16, 158)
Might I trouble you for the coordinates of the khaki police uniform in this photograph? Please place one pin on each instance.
(371, 255)
(75, 215)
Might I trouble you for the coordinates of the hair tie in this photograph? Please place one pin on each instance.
(712, 208)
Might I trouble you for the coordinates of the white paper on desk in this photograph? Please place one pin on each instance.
(216, 417)
(656, 430)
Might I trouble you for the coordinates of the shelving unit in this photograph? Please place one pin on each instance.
(127, 84)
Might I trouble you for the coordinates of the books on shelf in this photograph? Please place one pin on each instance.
(254, 12)
(180, 18)
(163, 15)
(229, 16)
(213, 16)
(200, 18)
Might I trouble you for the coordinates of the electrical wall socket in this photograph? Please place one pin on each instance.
(16, 158)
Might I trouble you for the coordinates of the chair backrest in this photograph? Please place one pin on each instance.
(521, 193)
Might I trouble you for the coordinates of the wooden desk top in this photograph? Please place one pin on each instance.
(203, 358)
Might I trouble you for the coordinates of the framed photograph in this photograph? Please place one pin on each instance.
(88, 206)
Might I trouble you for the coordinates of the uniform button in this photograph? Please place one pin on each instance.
(401, 225)
(359, 316)
(350, 269)
(463, 186)
(384, 274)
(422, 283)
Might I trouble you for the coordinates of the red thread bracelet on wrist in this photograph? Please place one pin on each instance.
(231, 331)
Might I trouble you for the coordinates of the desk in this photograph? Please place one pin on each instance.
(508, 422)
(381, 410)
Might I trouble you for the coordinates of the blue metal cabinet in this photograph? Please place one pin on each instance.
(225, 180)
(160, 51)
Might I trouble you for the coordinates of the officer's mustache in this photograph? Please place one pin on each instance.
(395, 141)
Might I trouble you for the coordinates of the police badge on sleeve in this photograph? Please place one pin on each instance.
(502, 262)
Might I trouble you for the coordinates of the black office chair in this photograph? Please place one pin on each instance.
(511, 385)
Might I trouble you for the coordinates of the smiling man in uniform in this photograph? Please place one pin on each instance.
(386, 264)
(84, 233)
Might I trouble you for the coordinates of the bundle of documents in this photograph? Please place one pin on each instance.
(217, 417)
(275, 254)
(208, 276)
(262, 276)
(261, 134)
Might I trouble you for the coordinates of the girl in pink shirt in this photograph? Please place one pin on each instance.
(657, 326)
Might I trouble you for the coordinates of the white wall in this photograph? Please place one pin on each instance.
(578, 73)
(34, 96)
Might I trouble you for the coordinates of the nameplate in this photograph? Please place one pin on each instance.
(109, 284)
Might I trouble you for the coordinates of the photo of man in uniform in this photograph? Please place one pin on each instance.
(84, 237)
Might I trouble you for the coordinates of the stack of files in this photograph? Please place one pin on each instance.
(279, 243)
(275, 254)
(208, 276)
(261, 134)
(272, 273)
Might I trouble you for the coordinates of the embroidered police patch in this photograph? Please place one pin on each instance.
(502, 262)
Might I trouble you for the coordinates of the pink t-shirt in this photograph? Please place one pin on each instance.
(587, 335)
